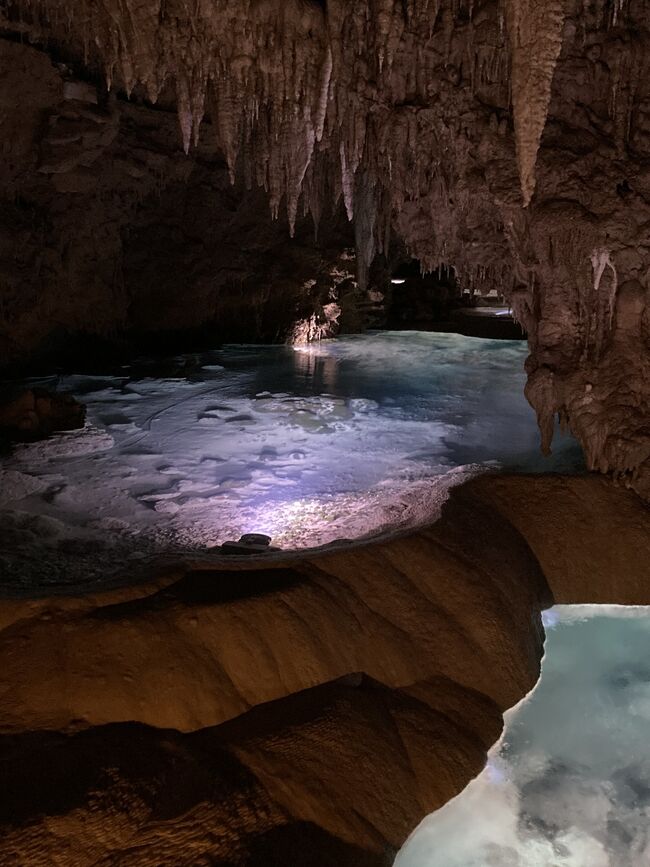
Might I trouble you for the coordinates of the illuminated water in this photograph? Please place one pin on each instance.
(351, 437)
(569, 785)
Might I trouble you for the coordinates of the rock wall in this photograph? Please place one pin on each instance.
(505, 139)
(107, 229)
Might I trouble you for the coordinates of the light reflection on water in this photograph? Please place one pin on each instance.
(338, 440)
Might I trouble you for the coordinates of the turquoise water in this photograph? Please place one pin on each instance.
(569, 783)
(339, 440)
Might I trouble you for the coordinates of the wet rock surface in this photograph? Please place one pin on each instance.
(34, 414)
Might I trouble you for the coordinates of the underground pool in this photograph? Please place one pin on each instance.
(568, 785)
(340, 440)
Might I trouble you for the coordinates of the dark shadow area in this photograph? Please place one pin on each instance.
(209, 792)
(209, 587)
(435, 301)
(303, 844)
(417, 301)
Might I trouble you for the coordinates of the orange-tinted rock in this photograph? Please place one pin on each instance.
(329, 776)
(36, 413)
(278, 763)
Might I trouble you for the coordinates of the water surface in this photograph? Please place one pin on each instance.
(347, 438)
(569, 783)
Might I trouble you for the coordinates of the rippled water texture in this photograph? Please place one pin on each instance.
(348, 438)
(569, 784)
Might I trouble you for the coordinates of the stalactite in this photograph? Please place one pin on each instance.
(280, 79)
(312, 105)
(603, 299)
(535, 34)
(365, 225)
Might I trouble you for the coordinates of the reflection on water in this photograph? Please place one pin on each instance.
(333, 441)
(569, 783)
(318, 369)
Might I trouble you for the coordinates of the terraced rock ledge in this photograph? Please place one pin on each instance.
(303, 711)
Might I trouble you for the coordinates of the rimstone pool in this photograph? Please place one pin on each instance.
(339, 440)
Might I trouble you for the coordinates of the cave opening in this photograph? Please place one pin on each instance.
(421, 301)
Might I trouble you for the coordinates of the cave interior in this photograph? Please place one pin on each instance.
(324, 430)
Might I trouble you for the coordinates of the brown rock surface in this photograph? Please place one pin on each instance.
(36, 413)
(278, 764)
(591, 538)
(205, 646)
(299, 781)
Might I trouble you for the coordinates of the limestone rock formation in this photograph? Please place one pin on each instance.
(36, 413)
(108, 230)
(504, 140)
(307, 622)
(230, 713)
(295, 782)
(535, 34)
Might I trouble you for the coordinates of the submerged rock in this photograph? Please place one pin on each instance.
(249, 543)
(36, 413)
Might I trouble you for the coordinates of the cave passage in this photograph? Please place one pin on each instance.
(309, 445)
(568, 784)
